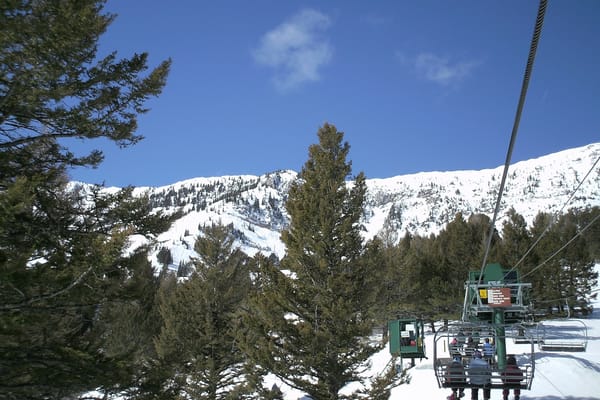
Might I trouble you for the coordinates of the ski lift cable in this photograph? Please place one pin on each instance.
(561, 249)
(573, 296)
(528, 70)
(553, 219)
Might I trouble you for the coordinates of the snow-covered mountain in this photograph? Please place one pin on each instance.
(420, 203)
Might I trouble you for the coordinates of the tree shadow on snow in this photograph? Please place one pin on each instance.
(565, 355)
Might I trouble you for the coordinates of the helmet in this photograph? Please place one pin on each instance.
(477, 354)
(456, 359)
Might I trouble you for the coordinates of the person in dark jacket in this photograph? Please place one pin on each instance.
(455, 377)
(512, 377)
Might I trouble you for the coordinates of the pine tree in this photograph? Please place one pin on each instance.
(562, 262)
(154, 376)
(578, 277)
(425, 282)
(516, 240)
(64, 268)
(460, 249)
(53, 86)
(164, 257)
(592, 231)
(197, 341)
(403, 282)
(63, 271)
(546, 285)
(130, 326)
(383, 262)
(309, 324)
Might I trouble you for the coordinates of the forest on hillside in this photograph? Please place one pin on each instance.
(420, 277)
(85, 316)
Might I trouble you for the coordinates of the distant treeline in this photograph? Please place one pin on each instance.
(425, 275)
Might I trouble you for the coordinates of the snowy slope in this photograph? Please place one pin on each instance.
(420, 203)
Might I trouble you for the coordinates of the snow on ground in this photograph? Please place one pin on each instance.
(558, 374)
(572, 375)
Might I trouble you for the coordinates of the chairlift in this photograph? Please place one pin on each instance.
(496, 307)
(562, 335)
(444, 353)
(525, 333)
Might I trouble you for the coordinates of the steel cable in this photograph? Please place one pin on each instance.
(553, 219)
(528, 70)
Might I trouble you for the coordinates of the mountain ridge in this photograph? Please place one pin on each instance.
(421, 203)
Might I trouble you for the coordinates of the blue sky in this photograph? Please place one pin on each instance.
(414, 85)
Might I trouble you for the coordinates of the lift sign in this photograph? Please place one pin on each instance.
(499, 297)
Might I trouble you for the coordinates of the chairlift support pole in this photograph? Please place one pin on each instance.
(500, 337)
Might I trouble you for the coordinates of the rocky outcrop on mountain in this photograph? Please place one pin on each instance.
(420, 203)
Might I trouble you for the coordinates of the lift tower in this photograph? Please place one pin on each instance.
(498, 298)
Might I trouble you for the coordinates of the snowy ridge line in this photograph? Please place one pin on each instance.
(421, 203)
